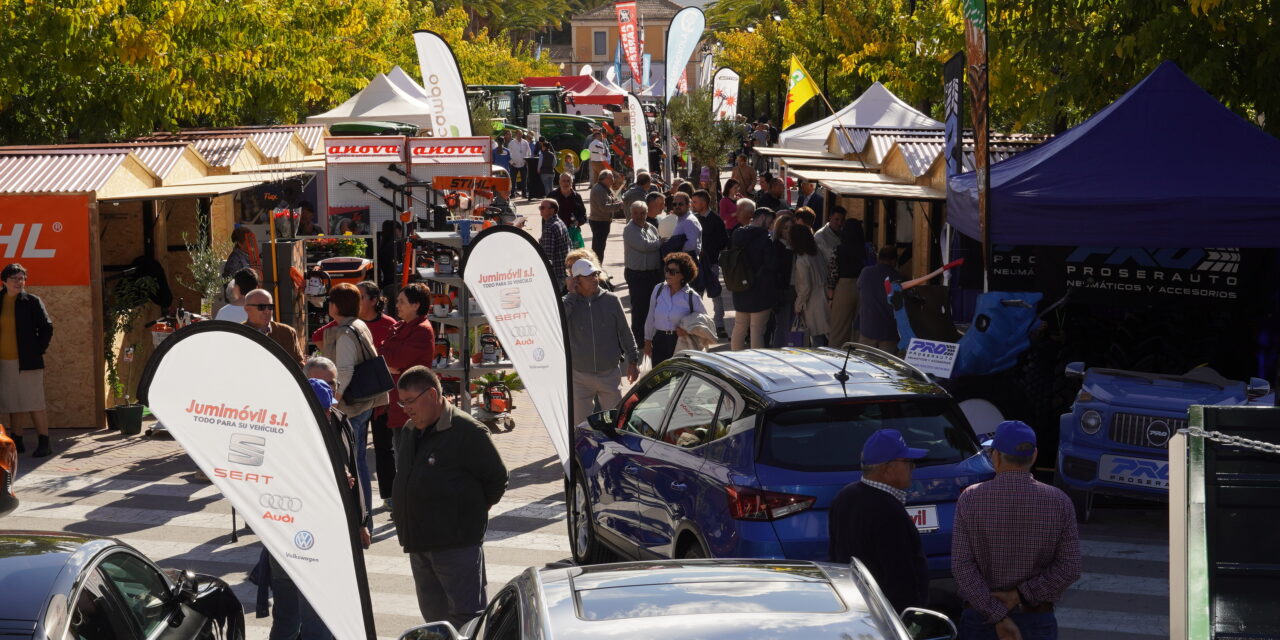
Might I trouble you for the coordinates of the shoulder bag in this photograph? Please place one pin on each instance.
(370, 378)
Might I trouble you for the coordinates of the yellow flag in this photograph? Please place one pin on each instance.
(800, 89)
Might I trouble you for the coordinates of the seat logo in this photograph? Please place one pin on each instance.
(247, 449)
(283, 503)
(304, 540)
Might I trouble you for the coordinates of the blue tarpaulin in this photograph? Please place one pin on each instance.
(1166, 165)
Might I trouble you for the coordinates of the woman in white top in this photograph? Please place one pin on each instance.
(808, 278)
(670, 301)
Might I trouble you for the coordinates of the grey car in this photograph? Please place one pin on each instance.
(738, 599)
(66, 586)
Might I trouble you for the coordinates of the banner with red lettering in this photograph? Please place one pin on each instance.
(449, 150)
(447, 95)
(506, 273)
(240, 407)
(629, 35)
(364, 150)
(49, 235)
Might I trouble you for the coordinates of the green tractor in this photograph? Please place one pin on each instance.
(512, 104)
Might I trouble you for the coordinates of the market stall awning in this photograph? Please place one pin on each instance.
(779, 152)
(883, 190)
(843, 176)
(876, 107)
(822, 163)
(584, 89)
(1165, 165)
(208, 186)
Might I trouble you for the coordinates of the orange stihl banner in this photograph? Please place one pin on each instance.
(47, 234)
(468, 183)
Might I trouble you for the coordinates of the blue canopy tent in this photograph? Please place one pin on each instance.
(1166, 165)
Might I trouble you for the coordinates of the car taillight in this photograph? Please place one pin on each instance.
(746, 503)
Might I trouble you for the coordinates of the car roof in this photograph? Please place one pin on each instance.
(32, 561)
(790, 374)
(789, 585)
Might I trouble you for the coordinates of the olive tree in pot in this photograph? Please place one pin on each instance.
(207, 259)
(122, 305)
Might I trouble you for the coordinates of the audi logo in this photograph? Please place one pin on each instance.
(524, 331)
(284, 503)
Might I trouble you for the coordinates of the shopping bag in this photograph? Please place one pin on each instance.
(799, 334)
(575, 237)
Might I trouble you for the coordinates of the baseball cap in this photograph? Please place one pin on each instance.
(323, 392)
(1014, 438)
(887, 444)
(584, 267)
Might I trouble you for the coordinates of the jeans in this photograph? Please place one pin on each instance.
(449, 583)
(548, 183)
(291, 615)
(360, 425)
(782, 319)
(715, 291)
(1034, 626)
(519, 176)
(599, 237)
(384, 455)
(640, 286)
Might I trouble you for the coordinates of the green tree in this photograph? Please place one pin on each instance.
(708, 140)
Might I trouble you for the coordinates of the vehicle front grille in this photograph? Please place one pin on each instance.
(1132, 429)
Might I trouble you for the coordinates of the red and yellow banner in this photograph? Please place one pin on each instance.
(629, 35)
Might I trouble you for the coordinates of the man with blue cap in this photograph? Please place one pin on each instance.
(1015, 548)
(869, 521)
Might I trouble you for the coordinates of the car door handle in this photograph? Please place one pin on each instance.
(679, 486)
(631, 468)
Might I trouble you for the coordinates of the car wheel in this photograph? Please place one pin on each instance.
(693, 550)
(582, 534)
(1081, 500)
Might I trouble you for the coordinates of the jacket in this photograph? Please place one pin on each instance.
(448, 475)
(33, 327)
(604, 205)
(809, 279)
(875, 317)
(758, 249)
(285, 336)
(572, 211)
(871, 525)
(599, 332)
(351, 344)
(408, 344)
(715, 238)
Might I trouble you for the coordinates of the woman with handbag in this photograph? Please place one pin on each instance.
(670, 301)
(363, 380)
(808, 278)
(412, 341)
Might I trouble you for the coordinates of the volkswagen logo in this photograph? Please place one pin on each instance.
(304, 540)
(283, 503)
(539, 354)
(1158, 433)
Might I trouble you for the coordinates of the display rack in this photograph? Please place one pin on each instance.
(464, 317)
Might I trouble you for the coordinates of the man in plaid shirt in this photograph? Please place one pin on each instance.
(554, 240)
(1015, 548)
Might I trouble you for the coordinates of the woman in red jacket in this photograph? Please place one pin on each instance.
(412, 341)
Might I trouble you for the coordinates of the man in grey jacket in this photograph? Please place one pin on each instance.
(604, 205)
(599, 340)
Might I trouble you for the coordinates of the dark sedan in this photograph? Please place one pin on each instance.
(747, 599)
(76, 587)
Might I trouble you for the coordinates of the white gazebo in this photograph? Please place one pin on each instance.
(876, 107)
(383, 99)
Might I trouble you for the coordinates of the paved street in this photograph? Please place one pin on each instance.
(141, 490)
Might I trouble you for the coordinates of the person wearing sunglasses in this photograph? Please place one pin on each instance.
(451, 475)
(260, 310)
(669, 303)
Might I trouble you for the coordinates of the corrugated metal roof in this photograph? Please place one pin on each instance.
(883, 190)
(919, 155)
(160, 158)
(312, 135)
(859, 136)
(220, 152)
(272, 142)
(59, 172)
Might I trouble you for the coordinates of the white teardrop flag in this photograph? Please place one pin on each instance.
(447, 95)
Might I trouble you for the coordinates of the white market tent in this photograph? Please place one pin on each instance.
(407, 83)
(876, 107)
(381, 100)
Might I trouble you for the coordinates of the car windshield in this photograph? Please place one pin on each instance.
(829, 437)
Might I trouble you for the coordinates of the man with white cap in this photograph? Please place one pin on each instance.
(869, 521)
(600, 339)
(1015, 548)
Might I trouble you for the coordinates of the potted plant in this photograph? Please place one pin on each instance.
(122, 306)
(207, 259)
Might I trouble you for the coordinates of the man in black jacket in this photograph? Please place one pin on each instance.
(448, 476)
(714, 240)
(869, 521)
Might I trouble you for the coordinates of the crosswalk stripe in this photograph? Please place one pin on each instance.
(1132, 585)
(1124, 550)
(1113, 621)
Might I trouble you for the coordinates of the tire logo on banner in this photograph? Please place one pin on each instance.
(303, 540)
(285, 503)
(246, 449)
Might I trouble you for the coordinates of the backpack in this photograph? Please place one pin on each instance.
(738, 275)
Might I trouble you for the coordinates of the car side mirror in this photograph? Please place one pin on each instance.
(923, 624)
(604, 422)
(184, 588)
(433, 631)
(1074, 371)
(1257, 388)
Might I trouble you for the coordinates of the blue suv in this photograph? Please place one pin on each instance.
(1115, 440)
(740, 454)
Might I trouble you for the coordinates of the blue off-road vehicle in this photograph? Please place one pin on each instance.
(1115, 439)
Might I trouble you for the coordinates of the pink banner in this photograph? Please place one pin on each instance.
(629, 33)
